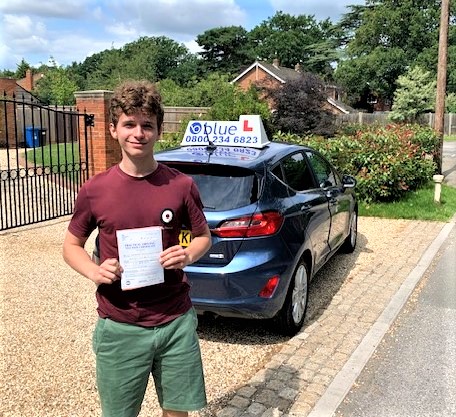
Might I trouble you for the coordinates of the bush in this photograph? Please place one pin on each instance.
(300, 107)
(386, 161)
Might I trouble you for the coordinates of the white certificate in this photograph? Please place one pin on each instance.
(139, 253)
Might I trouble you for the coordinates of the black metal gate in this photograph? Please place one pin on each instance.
(41, 165)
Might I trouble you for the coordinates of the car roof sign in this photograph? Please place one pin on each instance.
(248, 132)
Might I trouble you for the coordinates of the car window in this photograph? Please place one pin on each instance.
(277, 171)
(222, 187)
(326, 176)
(297, 173)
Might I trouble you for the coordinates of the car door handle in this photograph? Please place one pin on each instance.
(306, 207)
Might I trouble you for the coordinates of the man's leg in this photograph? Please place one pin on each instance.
(177, 368)
(169, 413)
(123, 359)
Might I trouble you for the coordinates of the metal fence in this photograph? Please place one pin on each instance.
(41, 166)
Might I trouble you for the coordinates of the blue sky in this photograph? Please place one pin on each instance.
(71, 30)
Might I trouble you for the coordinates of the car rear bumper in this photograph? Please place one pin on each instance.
(233, 290)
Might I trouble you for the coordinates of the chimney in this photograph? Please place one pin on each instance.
(276, 62)
(298, 67)
(28, 84)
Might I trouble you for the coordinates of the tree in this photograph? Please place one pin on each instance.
(56, 86)
(225, 49)
(383, 39)
(295, 39)
(108, 72)
(234, 102)
(150, 58)
(415, 95)
(450, 103)
(187, 71)
(300, 107)
(21, 69)
(375, 73)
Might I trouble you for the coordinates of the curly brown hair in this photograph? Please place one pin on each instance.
(136, 96)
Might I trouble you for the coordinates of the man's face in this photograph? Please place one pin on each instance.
(136, 134)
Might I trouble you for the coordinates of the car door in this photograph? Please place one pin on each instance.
(310, 218)
(339, 202)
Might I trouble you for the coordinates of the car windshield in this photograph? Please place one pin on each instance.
(222, 187)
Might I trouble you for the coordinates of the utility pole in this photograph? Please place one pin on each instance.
(439, 124)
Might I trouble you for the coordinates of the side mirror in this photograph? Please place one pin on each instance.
(349, 181)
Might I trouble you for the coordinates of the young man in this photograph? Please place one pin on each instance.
(150, 329)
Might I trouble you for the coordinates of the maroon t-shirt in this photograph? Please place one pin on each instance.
(114, 200)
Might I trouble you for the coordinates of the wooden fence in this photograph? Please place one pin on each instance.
(175, 116)
(382, 118)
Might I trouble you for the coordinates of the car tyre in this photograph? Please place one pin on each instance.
(290, 318)
(349, 244)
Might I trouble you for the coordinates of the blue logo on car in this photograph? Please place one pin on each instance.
(196, 128)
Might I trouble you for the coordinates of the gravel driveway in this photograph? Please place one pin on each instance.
(47, 313)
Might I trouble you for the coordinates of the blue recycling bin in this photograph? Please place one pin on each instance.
(33, 136)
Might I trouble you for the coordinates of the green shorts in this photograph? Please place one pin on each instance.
(127, 354)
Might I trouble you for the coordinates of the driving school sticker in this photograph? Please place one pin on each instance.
(167, 216)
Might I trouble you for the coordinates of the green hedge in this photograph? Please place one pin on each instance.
(387, 161)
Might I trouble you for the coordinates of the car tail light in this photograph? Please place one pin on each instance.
(268, 290)
(261, 224)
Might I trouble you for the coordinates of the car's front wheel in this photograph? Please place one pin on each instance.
(290, 318)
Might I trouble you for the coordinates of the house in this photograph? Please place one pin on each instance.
(29, 82)
(20, 90)
(270, 75)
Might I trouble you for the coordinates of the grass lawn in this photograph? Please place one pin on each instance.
(54, 154)
(451, 138)
(418, 205)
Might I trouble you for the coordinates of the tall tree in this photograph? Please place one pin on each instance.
(225, 49)
(383, 38)
(151, 58)
(295, 39)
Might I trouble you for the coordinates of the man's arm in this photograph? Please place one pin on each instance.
(177, 257)
(77, 257)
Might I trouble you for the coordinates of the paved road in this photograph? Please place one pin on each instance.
(413, 372)
(449, 162)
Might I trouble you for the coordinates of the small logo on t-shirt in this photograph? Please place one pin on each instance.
(167, 216)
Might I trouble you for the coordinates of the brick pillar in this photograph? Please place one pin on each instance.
(103, 150)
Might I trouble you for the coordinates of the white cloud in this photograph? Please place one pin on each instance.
(21, 34)
(48, 8)
(193, 47)
(180, 19)
(123, 30)
(321, 9)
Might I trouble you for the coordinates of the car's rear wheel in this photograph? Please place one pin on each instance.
(349, 244)
(290, 318)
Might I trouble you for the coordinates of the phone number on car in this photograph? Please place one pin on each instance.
(221, 139)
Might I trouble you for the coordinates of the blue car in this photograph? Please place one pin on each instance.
(277, 212)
